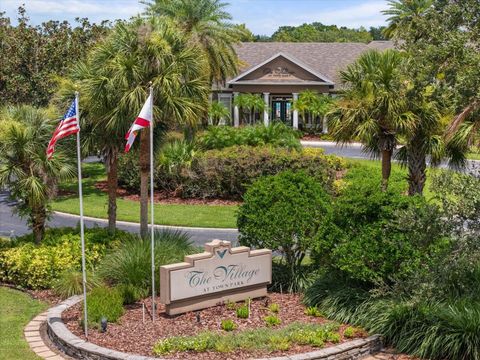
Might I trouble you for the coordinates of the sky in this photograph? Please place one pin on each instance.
(261, 16)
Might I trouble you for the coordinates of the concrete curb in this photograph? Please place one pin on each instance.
(168, 227)
(81, 349)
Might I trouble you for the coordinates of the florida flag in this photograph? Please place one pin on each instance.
(142, 121)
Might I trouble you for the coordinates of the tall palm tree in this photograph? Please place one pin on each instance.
(372, 110)
(121, 69)
(207, 22)
(24, 169)
(403, 13)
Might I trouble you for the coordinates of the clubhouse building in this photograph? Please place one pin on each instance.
(279, 71)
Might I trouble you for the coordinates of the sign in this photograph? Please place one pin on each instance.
(279, 72)
(219, 274)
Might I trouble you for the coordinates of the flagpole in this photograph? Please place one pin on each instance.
(151, 205)
(82, 236)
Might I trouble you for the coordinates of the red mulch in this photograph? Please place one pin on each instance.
(132, 336)
(47, 296)
(165, 197)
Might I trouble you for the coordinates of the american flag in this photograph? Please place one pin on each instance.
(68, 126)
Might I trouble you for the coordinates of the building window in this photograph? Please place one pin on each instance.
(226, 100)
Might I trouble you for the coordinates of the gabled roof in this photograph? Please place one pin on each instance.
(323, 80)
(324, 59)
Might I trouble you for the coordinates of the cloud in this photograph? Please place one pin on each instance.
(95, 9)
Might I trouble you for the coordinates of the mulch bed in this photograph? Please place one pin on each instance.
(131, 335)
(165, 197)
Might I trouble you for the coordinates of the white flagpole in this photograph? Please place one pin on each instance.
(151, 206)
(82, 237)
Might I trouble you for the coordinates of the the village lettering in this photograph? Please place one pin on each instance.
(221, 274)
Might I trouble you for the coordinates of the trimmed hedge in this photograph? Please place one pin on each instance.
(34, 266)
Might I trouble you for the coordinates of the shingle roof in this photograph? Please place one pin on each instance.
(325, 58)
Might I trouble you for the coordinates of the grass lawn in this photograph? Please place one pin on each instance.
(473, 156)
(95, 205)
(16, 310)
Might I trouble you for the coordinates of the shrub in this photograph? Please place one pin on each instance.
(104, 302)
(228, 325)
(231, 305)
(130, 293)
(276, 134)
(313, 311)
(38, 266)
(272, 320)
(283, 213)
(70, 282)
(130, 264)
(227, 173)
(349, 332)
(274, 308)
(376, 236)
(284, 280)
(243, 312)
(129, 171)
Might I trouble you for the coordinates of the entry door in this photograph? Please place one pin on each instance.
(282, 110)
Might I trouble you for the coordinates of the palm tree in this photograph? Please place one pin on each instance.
(312, 105)
(403, 13)
(250, 103)
(121, 70)
(207, 22)
(24, 169)
(372, 110)
(217, 112)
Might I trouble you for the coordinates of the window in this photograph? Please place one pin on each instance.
(226, 100)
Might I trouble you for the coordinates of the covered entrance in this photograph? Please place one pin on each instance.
(282, 109)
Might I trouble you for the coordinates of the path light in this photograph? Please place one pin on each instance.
(198, 316)
(103, 322)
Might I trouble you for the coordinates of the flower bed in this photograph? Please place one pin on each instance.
(131, 335)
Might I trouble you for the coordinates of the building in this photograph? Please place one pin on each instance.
(280, 71)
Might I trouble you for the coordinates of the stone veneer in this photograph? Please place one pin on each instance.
(81, 349)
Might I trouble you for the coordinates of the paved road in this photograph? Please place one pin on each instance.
(11, 224)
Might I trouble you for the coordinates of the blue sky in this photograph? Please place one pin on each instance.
(261, 16)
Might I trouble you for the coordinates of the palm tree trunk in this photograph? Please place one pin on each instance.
(38, 218)
(144, 172)
(417, 166)
(386, 168)
(112, 185)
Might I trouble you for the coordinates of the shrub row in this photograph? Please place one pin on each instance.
(37, 267)
(276, 134)
(228, 172)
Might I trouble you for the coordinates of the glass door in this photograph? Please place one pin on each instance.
(282, 109)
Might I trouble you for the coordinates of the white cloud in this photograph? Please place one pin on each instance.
(110, 9)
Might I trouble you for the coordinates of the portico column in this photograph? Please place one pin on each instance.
(266, 98)
(325, 125)
(295, 111)
(236, 112)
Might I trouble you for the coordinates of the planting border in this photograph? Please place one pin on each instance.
(80, 349)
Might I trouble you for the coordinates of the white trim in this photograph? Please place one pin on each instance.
(288, 57)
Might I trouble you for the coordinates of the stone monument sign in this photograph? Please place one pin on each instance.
(219, 274)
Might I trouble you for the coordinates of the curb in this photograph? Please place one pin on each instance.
(78, 348)
(35, 341)
(167, 227)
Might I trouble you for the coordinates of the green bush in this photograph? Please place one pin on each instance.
(283, 213)
(272, 320)
(104, 302)
(376, 236)
(276, 134)
(130, 264)
(129, 170)
(229, 172)
(228, 325)
(38, 266)
(130, 293)
(70, 282)
(243, 312)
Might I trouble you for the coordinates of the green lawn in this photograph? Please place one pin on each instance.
(95, 205)
(16, 310)
(473, 156)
